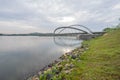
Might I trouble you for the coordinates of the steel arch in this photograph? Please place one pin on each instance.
(72, 27)
(83, 27)
(63, 28)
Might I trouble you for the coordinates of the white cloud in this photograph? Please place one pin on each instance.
(96, 2)
(82, 16)
(17, 27)
(117, 6)
(16, 24)
(65, 19)
(39, 15)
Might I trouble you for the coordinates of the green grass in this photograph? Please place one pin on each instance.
(101, 61)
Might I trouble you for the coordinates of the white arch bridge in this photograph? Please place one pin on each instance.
(79, 31)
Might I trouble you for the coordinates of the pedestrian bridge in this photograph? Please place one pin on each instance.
(78, 31)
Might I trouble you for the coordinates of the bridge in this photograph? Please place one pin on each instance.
(78, 31)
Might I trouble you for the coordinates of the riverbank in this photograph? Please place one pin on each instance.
(97, 59)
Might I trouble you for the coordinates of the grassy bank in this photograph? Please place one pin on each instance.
(101, 61)
(97, 59)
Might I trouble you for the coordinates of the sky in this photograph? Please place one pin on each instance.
(26, 16)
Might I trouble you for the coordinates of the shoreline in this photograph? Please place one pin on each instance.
(95, 58)
(57, 63)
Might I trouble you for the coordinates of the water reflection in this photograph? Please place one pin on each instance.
(67, 41)
(66, 50)
(20, 56)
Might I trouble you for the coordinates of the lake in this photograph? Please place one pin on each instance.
(24, 55)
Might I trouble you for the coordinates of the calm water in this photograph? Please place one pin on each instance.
(20, 56)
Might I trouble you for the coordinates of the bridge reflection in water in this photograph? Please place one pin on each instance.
(67, 41)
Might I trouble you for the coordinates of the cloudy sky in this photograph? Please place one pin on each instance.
(24, 16)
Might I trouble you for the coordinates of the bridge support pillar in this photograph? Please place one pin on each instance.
(87, 36)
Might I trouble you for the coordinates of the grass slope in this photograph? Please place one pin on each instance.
(97, 59)
(101, 61)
